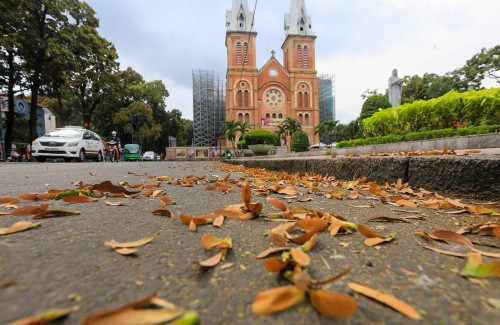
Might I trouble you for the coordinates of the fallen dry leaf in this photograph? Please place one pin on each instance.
(137, 243)
(55, 213)
(333, 304)
(46, 317)
(8, 199)
(163, 212)
(389, 300)
(18, 227)
(277, 299)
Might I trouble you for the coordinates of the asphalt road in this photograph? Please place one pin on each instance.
(65, 262)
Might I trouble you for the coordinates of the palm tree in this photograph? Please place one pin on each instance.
(281, 133)
(230, 128)
(327, 130)
(243, 127)
(291, 126)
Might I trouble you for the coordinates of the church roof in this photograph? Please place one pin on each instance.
(298, 22)
(239, 18)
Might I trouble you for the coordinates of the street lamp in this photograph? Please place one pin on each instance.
(2, 143)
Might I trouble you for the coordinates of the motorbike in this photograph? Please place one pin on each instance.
(113, 150)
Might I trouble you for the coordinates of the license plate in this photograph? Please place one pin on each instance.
(51, 149)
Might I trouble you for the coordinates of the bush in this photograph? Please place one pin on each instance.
(300, 142)
(242, 144)
(453, 110)
(417, 136)
(260, 136)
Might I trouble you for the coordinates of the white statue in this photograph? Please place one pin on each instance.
(395, 86)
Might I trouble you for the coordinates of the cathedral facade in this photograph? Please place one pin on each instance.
(264, 97)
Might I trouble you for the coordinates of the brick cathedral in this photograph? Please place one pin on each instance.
(265, 97)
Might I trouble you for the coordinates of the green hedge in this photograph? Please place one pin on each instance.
(424, 135)
(472, 108)
(300, 142)
(260, 136)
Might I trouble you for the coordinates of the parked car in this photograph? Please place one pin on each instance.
(70, 142)
(132, 151)
(149, 155)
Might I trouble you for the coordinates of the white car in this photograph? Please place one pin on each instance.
(69, 143)
(149, 155)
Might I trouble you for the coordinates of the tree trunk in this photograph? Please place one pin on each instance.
(9, 127)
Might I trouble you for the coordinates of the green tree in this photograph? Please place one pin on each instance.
(281, 133)
(292, 126)
(373, 104)
(230, 129)
(484, 64)
(327, 131)
(300, 141)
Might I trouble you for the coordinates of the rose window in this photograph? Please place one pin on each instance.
(273, 98)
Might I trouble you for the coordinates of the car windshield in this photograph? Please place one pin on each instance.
(132, 148)
(64, 133)
(149, 153)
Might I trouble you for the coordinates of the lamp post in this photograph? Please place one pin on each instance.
(2, 142)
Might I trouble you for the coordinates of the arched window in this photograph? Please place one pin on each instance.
(239, 99)
(280, 115)
(245, 98)
(268, 115)
(306, 56)
(245, 47)
(307, 119)
(299, 56)
(240, 117)
(306, 99)
(238, 53)
(300, 118)
(299, 100)
(274, 115)
(247, 117)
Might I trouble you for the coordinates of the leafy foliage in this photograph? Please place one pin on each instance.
(260, 136)
(373, 104)
(300, 142)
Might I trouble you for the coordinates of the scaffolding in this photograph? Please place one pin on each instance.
(326, 97)
(208, 108)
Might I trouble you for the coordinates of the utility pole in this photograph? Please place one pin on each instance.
(2, 142)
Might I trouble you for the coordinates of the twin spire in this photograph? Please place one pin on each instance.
(297, 22)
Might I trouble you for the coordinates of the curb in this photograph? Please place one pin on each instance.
(472, 176)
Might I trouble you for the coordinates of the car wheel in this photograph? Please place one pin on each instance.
(67, 159)
(81, 156)
(100, 158)
(41, 159)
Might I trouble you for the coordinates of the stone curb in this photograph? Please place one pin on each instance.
(473, 176)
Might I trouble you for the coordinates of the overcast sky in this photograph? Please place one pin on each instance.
(359, 41)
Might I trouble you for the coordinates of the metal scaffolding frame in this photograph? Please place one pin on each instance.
(209, 110)
(326, 97)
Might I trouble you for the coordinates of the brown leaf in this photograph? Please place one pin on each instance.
(450, 235)
(300, 257)
(271, 250)
(48, 196)
(8, 199)
(55, 213)
(134, 313)
(277, 204)
(197, 221)
(275, 265)
(407, 203)
(333, 304)
(304, 238)
(108, 187)
(137, 243)
(163, 212)
(46, 317)
(18, 227)
(277, 238)
(389, 300)
(23, 211)
(29, 197)
(313, 224)
(126, 251)
(368, 232)
(387, 219)
(246, 194)
(277, 299)
(218, 221)
(115, 204)
(288, 190)
(165, 200)
(213, 261)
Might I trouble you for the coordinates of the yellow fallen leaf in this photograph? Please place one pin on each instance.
(137, 243)
(18, 227)
(389, 300)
